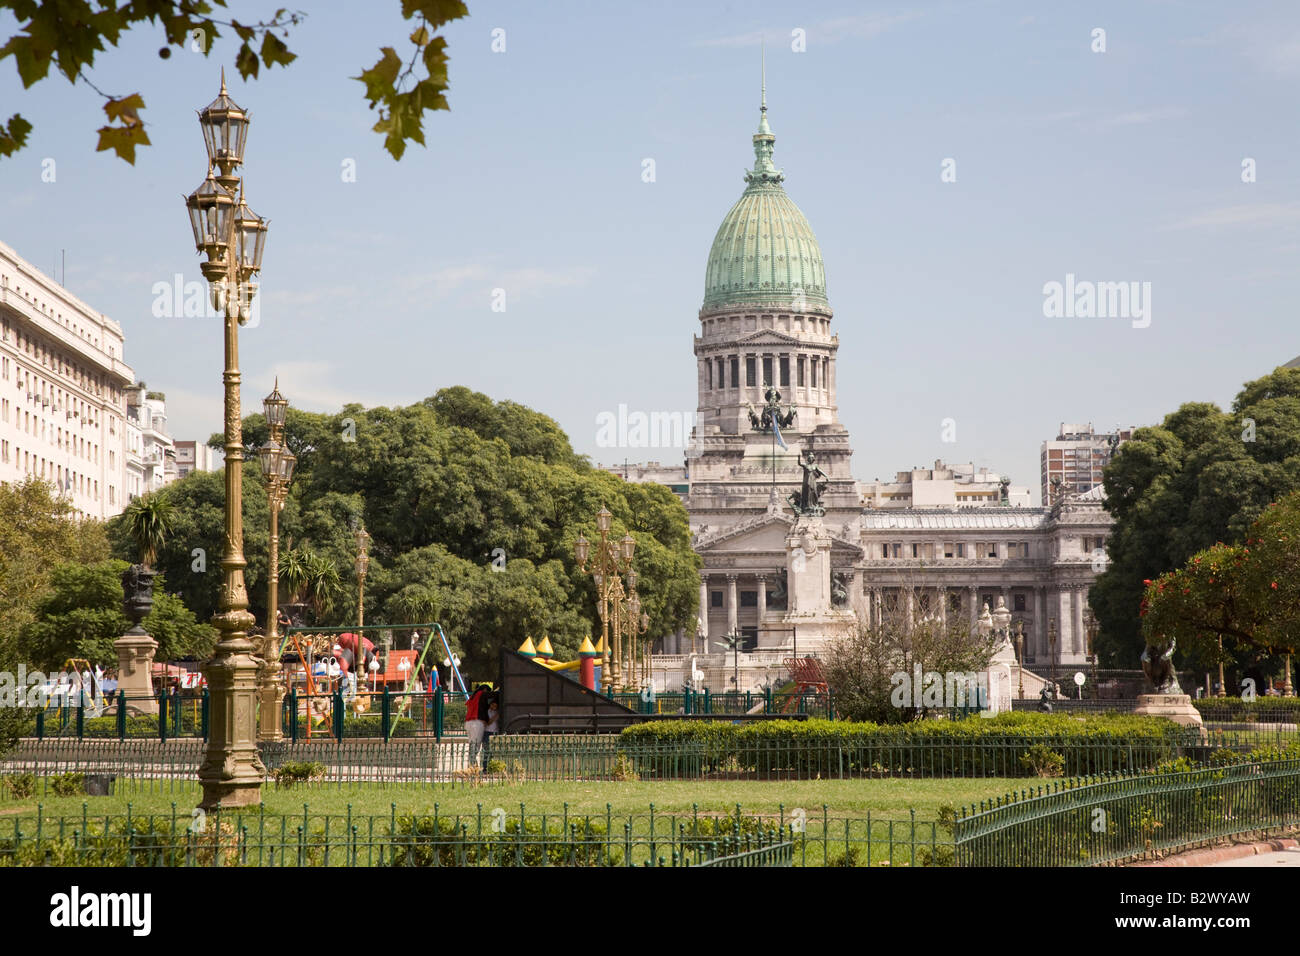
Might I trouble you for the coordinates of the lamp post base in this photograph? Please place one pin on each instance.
(232, 771)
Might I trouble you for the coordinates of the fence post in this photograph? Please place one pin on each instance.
(337, 714)
(81, 716)
(293, 714)
(707, 708)
(174, 711)
(40, 724)
(121, 715)
(162, 717)
(686, 701)
(385, 715)
(204, 714)
(438, 709)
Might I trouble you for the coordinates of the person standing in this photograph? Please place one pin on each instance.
(474, 723)
(491, 726)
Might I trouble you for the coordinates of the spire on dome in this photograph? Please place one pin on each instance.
(764, 171)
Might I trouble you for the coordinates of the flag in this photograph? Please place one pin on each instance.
(776, 430)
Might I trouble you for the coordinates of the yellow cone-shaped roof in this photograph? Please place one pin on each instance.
(527, 649)
(544, 648)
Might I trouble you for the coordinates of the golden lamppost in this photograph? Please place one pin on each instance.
(363, 566)
(1020, 656)
(1051, 642)
(634, 623)
(1090, 628)
(232, 238)
(277, 465)
(610, 562)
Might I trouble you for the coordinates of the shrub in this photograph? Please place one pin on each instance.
(20, 785)
(1042, 761)
(301, 771)
(68, 784)
(367, 726)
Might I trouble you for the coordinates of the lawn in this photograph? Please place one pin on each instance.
(841, 798)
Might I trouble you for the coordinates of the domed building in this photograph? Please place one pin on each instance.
(765, 341)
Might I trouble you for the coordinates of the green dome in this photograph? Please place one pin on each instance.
(765, 251)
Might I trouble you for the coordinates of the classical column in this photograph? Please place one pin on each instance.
(908, 599)
(732, 608)
(942, 595)
(973, 595)
(1076, 618)
(762, 604)
(704, 611)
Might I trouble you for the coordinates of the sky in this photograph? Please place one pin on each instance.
(954, 159)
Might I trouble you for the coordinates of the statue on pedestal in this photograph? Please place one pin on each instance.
(808, 500)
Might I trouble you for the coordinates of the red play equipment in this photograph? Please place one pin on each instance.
(808, 677)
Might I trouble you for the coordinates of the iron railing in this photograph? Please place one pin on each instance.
(1102, 820)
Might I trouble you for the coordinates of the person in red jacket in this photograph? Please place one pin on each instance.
(474, 714)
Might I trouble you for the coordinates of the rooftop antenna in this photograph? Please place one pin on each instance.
(762, 42)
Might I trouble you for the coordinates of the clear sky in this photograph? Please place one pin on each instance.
(1117, 166)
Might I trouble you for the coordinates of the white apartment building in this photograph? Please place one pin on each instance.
(62, 391)
(944, 486)
(147, 412)
(196, 456)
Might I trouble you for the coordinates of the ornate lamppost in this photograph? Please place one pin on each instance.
(232, 238)
(277, 465)
(1090, 628)
(363, 566)
(1051, 643)
(608, 565)
(1020, 657)
(634, 623)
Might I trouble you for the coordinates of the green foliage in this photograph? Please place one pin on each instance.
(68, 35)
(977, 747)
(298, 771)
(1274, 709)
(81, 616)
(1199, 478)
(1041, 760)
(1248, 595)
(67, 784)
(438, 841)
(368, 726)
(19, 786)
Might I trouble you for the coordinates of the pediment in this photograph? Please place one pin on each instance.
(769, 337)
(765, 532)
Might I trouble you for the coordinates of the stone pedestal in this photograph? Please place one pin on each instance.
(134, 669)
(1176, 707)
(810, 616)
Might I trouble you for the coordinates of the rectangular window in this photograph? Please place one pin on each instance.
(722, 381)
(749, 599)
(954, 602)
(767, 370)
(785, 371)
(947, 549)
(709, 366)
(993, 550)
(1019, 602)
(813, 369)
(715, 599)
(803, 364)
(735, 371)
(751, 371)
(961, 550)
(884, 550)
(898, 549)
(916, 550)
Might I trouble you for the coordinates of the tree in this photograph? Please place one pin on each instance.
(148, 521)
(68, 34)
(1200, 477)
(1237, 604)
(866, 668)
(82, 616)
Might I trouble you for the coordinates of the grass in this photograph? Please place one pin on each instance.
(842, 798)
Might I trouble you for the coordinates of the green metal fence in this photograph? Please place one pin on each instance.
(1101, 820)
(490, 836)
(694, 703)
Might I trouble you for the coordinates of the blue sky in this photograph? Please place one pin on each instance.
(1123, 165)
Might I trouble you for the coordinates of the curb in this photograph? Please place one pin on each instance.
(1219, 854)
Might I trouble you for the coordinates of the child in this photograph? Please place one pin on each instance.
(490, 728)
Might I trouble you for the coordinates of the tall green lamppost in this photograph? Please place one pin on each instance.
(277, 465)
(232, 238)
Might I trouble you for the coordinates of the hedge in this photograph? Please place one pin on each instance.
(1261, 709)
(368, 726)
(972, 747)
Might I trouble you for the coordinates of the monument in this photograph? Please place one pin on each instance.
(1167, 699)
(811, 612)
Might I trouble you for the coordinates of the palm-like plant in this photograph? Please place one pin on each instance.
(148, 522)
(294, 572)
(323, 583)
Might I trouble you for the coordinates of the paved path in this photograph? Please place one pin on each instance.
(1275, 859)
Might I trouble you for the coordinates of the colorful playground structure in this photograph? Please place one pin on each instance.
(585, 665)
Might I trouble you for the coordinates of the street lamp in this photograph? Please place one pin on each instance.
(1051, 642)
(363, 566)
(277, 465)
(1090, 628)
(232, 239)
(1020, 657)
(608, 564)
